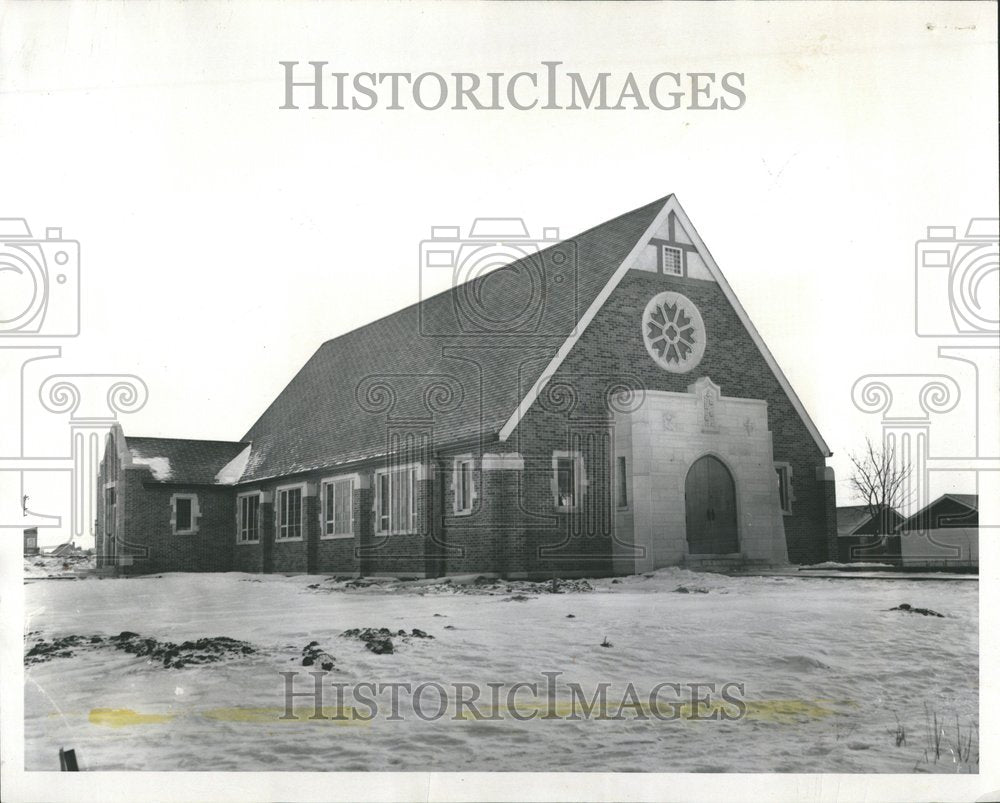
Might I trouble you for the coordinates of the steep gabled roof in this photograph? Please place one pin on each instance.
(670, 206)
(173, 460)
(454, 361)
(468, 362)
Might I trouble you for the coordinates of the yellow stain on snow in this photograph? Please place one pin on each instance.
(123, 717)
(785, 710)
(774, 711)
(778, 711)
(333, 716)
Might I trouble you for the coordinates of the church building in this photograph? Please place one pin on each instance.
(600, 405)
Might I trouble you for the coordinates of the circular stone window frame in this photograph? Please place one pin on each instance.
(662, 300)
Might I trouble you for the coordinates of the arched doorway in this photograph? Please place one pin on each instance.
(710, 498)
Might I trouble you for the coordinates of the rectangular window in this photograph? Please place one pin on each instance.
(673, 260)
(248, 518)
(396, 500)
(567, 480)
(382, 490)
(785, 495)
(289, 514)
(109, 511)
(622, 483)
(463, 483)
(184, 512)
(338, 519)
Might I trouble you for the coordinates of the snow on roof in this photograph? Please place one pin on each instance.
(160, 466)
(230, 473)
(187, 461)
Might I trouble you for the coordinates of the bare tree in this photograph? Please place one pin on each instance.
(882, 483)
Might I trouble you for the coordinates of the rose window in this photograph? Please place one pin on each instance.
(673, 332)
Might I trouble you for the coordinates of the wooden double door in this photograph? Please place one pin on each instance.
(710, 499)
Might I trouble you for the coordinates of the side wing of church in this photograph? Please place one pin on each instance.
(603, 405)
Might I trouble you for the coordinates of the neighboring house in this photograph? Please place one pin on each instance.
(31, 542)
(944, 534)
(67, 550)
(602, 406)
(866, 538)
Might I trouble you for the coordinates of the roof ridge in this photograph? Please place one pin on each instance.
(946, 495)
(186, 440)
(342, 338)
(420, 301)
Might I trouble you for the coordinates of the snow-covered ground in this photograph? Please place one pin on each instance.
(49, 566)
(835, 680)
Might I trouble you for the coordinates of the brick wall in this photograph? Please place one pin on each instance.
(574, 406)
(107, 473)
(248, 557)
(313, 554)
(147, 534)
(488, 539)
(404, 554)
(514, 527)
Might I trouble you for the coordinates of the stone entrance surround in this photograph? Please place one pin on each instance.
(661, 437)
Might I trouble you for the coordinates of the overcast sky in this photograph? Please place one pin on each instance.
(224, 239)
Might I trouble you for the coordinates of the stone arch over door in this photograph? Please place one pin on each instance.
(710, 508)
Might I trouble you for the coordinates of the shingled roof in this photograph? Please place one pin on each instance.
(189, 462)
(971, 501)
(948, 510)
(457, 363)
(852, 518)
